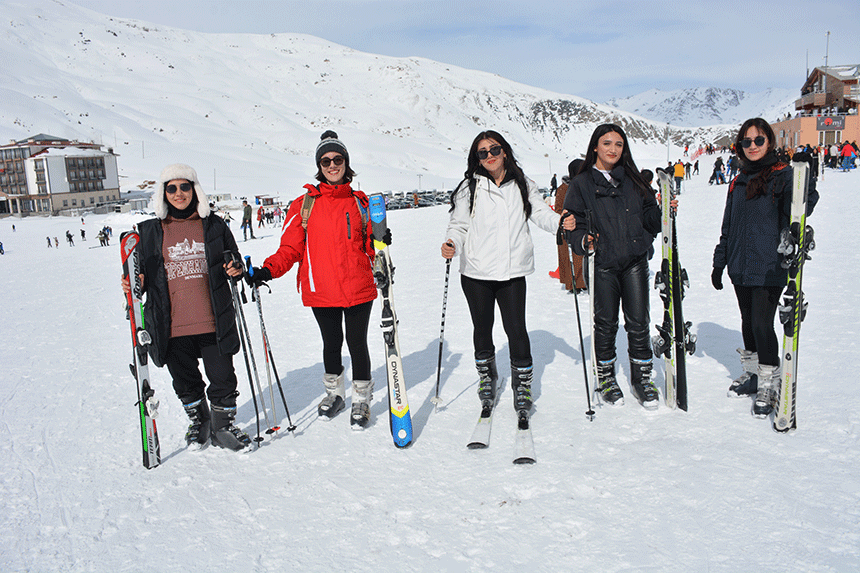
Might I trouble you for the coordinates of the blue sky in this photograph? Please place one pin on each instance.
(597, 50)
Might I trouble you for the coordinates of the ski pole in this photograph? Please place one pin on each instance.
(255, 296)
(270, 358)
(237, 305)
(244, 327)
(436, 400)
(559, 239)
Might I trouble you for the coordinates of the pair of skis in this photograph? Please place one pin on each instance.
(795, 243)
(400, 420)
(147, 405)
(674, 339)
(524, 447)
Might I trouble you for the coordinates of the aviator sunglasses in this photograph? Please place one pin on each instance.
(326, 161)
(186, 187)
(494, 151)
(747, 142)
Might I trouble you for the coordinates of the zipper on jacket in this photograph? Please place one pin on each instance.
(348, 228)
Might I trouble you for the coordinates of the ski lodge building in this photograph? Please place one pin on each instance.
(47, 175)
(827, 111)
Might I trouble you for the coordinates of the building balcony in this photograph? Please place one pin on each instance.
(814, 100)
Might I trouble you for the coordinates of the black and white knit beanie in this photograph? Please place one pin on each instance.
(179, 171)
(330, 142)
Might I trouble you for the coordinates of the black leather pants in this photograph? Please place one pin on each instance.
(629, 287)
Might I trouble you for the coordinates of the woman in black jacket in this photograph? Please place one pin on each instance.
(616, 215)
(758, 207)
(188, 310)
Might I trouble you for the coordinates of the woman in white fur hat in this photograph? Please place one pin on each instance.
(188, 310)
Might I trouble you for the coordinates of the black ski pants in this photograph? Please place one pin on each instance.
(331, 321)
(628, 288)
(510, 295)
(758, 308)
(183, 353)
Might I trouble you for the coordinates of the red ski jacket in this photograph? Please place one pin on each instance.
(336, 253)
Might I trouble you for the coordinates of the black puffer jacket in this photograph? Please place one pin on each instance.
(625, 219)
(751, 228)
(217, 238)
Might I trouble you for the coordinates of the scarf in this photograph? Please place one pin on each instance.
(759, 171)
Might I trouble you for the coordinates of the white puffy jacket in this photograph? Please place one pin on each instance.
(493, 241)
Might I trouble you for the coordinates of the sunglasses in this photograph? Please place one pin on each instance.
(747, 142)
(326, 161)
(494, 151)
(186, 187)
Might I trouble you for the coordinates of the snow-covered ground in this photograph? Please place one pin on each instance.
(712, 489)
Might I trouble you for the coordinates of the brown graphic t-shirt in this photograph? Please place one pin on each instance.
(187, 276)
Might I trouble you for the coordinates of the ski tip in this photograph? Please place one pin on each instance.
(524, 460)
(476, 446)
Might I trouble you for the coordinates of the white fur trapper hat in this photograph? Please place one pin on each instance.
(179, 171)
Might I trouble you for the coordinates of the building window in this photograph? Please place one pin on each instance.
(92, 200)
(65, 202)
(74, 202)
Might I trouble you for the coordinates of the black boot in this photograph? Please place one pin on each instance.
(642, 385)
(607, 387)
(488, 377)
(521, 382)
(198, 430)
(224, 433)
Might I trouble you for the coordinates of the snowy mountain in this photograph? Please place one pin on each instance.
(248, 109)
(707, 106)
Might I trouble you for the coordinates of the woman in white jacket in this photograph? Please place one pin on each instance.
(489, 230)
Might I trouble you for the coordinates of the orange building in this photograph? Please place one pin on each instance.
(827, 111)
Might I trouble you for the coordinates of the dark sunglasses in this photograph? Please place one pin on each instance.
(186, 187)
(494, 151)
(747, 142)
(326, 161)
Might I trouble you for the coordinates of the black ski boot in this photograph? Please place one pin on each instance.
(488, 377)
(521, 382)
(607, 387)
(747, 383)
(199, 429)
(642, 385)
(224, 433)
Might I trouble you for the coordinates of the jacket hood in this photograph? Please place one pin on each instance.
(179, 171)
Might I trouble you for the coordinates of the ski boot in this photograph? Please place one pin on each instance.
(746, 383)
(607, 387)
(642, 385)
(521, 383)
(362, 395)
(488, 377)
(200, 427)
(224, 433)
(335, 396)
(768, 378)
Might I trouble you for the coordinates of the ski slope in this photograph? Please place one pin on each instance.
(709, 490)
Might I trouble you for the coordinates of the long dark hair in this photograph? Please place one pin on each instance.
(625, 161)
(512, 169)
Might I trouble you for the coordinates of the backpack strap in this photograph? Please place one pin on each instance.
(307, 205)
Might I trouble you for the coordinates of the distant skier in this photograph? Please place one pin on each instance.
(70, 239)
(83, 235)
(49, 242)
(758, 207)
(246, 220)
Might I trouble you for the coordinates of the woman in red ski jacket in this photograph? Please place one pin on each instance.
(328, 233)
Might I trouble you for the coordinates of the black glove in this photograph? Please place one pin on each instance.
(717, 278)
(386, 238)
(258, 275)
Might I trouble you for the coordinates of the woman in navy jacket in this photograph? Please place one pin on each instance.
(758, 207)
